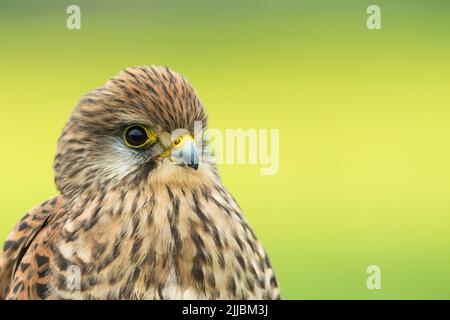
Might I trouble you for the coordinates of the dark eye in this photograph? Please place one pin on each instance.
(137, 136)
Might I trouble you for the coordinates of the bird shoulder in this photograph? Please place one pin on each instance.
(19, 242)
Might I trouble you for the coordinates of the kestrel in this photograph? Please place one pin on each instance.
(141, 214)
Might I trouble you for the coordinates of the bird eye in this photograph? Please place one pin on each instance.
(138, 137)
(178, 141)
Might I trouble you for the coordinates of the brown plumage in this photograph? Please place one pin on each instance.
(129, 223)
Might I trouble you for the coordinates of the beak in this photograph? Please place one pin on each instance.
(185, 152)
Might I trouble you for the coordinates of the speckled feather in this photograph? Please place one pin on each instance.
(147, 229)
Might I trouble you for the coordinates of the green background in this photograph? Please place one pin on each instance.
(364, 119)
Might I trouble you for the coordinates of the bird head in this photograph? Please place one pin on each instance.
(139, 125)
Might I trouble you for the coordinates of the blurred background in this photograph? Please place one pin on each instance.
(364, 119)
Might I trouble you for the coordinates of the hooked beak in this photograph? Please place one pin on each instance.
(185, 152)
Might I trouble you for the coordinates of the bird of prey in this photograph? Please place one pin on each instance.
(141, 213)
